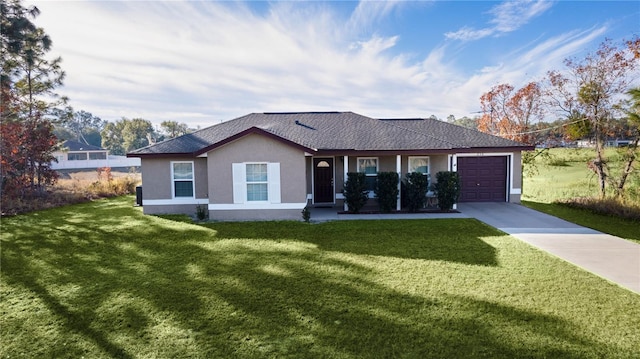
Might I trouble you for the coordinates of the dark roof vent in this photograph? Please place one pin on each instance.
(303, 125)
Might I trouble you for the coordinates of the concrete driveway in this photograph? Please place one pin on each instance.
(607, 256)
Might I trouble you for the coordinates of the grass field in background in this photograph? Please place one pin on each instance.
(565, 176)
(101, 280)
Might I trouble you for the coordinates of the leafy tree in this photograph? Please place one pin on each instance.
(127, 135)
(509, 113)
(173, 129)
(28, 82)
(592, 89)
(81, 126)
(578, 126)
(112, 137)
(463, 121)
(137, 133)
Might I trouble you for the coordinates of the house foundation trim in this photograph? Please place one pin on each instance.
(258, 206)
(171, 202)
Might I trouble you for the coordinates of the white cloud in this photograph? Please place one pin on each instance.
(507, 17)
(367, 13)
(511, 15)
(201, 63)
(469, 34)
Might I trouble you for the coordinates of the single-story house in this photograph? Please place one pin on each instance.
(77, 155)
(272, 165)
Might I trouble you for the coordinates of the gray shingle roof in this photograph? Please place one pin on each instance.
(333, 131)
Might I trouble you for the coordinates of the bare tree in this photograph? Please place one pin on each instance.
(592, 89)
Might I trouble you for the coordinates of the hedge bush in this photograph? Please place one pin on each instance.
(387, 191)
(415, 189)
(448, 189)
(355, 191)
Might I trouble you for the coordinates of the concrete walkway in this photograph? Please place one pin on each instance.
(607, 256)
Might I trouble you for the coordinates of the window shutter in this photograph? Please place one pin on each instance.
(273, 173)
(239, 182)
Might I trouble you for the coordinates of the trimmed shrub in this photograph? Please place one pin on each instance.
(306, 214)
(355, 191)
(448, 189)
(415, 190)
(387, 191)
(202, 212)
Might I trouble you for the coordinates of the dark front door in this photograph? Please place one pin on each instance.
(483, 179)
(323, 180)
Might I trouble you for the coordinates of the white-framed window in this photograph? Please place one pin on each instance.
(419, 164)
(182, 179)
(257, 179)
(369, 166)
(256, 182)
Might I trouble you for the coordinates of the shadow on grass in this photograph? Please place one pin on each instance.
(144, 286)
(449, 240)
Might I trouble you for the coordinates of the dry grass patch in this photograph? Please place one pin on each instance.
(73, 188)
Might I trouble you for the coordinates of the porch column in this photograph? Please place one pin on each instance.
(399, 170)
(344, 179)
(453, 167)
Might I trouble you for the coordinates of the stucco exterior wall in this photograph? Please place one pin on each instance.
(438, 163)
(257, 148)
(156, 178)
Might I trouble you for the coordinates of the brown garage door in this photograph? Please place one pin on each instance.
(483, 179)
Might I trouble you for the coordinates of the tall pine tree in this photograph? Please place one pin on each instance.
(27, 82)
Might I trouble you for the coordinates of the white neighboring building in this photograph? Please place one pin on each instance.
(78, 155)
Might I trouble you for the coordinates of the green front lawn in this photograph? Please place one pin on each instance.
(102, 280)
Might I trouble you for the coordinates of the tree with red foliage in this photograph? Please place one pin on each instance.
(27, 83)
(511, 114)
(26, 149)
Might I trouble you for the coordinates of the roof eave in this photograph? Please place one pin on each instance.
(353, 152)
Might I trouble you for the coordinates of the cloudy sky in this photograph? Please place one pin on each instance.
(202, 62)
